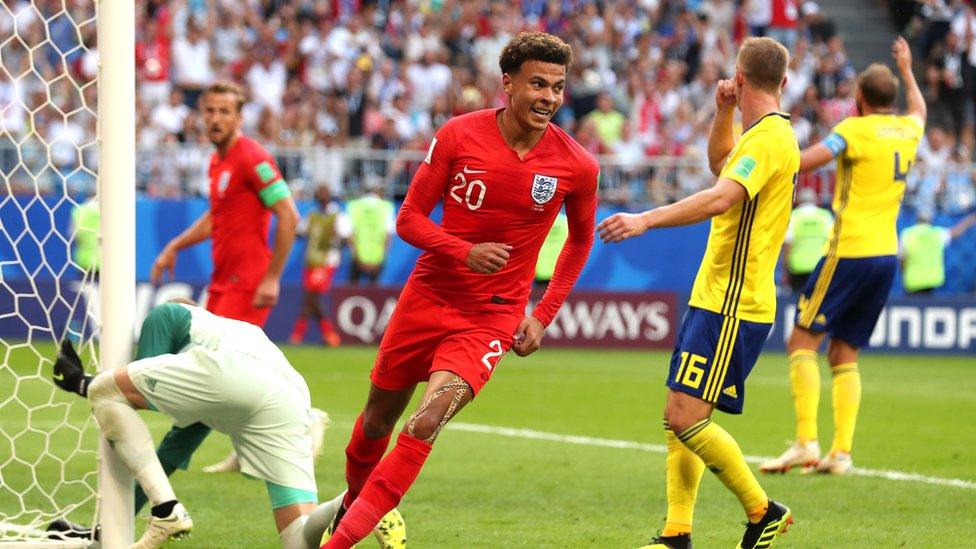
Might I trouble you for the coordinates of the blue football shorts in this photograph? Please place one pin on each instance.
(844, 297)
(713, 356)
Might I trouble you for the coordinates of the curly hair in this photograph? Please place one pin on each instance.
(534, 46)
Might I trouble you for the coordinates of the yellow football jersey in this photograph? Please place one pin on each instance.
(874, 155)
(736, 277)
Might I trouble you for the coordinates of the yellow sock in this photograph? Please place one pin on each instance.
(847, 400)
(684, 473)
(805, 381)
(723, 457)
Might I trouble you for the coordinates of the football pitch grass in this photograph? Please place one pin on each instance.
(565, 449)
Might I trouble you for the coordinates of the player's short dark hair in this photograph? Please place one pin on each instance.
(534, 46)
(228, 87)
(878, 85)
(763, 62)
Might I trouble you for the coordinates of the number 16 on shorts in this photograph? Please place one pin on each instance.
(691, 370)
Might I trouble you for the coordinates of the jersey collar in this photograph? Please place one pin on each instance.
(765, 116)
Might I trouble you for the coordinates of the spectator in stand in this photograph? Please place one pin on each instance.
(171, 115)
(192, 63)
(952, 63)
(153, 61)
(267, 79)
(783, 22)
(926, 181)
(330, 73)
(607, 120)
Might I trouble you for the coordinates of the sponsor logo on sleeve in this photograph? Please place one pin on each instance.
(265, 172)
(744, 167)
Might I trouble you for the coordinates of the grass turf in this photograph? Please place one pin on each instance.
(486, 490)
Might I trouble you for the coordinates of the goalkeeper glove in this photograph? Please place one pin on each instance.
(68, 371)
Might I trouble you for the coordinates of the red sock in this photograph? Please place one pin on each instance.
(389, 481)
(298, 331)
(325, 326)
(362, 455)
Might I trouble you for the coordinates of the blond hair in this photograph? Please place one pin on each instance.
(232, 88)
(763, 62)
(878, 85)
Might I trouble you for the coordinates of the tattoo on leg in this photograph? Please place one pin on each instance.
(460, 388)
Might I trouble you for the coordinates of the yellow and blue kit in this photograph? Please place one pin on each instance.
(733, 301)
(848, 289)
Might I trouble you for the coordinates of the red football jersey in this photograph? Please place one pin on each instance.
(490, 195)
(243, 185)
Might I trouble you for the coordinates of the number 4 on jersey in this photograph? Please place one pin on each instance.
(901, 176)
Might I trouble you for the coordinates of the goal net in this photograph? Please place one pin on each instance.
(50, 258)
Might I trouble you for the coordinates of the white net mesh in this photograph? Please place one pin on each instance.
(48, 260)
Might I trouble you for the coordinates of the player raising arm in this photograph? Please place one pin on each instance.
(733, 302)
(503, 176)
(847, 290)
(194, 367)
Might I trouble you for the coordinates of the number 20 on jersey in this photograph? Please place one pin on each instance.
(470, 193)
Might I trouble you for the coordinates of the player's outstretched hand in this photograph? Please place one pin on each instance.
(267, 292)
(902, 54)
(165, 262)
(528, 336)
(488, 257)
(725, 94)
(621, 226)
(69, 374)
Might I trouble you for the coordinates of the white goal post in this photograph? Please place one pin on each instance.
(116, 194)
(54, 114)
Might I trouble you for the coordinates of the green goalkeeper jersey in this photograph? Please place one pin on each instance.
(166, 330)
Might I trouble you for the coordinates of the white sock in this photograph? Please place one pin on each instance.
(320, 518)
(292, 538)
(129, 437)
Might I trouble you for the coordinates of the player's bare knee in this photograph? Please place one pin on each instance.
(424, 425)
(841, 352)
(683, 411)
(681, 421)
(437, 409)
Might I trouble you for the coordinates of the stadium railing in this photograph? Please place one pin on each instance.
(173, 171)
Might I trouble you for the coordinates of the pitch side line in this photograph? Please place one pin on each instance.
(661, 449)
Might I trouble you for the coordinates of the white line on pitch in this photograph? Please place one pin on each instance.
(660, 449)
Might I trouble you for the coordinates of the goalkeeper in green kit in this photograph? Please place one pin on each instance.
(194, 366)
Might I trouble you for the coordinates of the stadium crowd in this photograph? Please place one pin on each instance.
(383, 76)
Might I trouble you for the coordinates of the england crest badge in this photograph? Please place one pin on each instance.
(543, 188)
(222, 182)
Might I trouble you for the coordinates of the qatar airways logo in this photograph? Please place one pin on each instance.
(586, 319)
